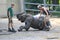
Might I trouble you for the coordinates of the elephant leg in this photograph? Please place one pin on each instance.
(21, 28)
(48, 25)
(46, 28)
(26, 27)
(27, 24)
(41, 25)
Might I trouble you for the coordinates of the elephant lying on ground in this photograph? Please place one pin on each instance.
(32, 21)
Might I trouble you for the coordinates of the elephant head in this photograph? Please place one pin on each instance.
(22, 16)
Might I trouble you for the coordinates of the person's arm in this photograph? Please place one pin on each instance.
(40, 12)
(46, 11)
(8, 13)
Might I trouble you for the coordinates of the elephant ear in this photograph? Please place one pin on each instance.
(23, 18)
(17, 15)
(21, 13)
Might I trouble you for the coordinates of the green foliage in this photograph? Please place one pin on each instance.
(56, 14)
(58, 8)
(49, 1)
(29, 6)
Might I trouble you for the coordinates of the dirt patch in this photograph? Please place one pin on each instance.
(55, 22)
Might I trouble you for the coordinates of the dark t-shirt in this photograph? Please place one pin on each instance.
(10, 11)
(45, 12)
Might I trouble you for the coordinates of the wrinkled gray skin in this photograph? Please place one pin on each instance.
(31, 22)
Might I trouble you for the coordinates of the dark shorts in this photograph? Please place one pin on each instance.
(10, 20)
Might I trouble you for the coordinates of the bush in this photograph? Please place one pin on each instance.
(56, 14)
(58, 8)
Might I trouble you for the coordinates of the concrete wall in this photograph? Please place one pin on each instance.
(21, 5)
(16, 7)
(3, 8)
(4, 4)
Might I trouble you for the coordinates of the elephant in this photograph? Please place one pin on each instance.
(31, 21)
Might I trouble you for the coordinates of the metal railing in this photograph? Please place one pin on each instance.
(51, 5)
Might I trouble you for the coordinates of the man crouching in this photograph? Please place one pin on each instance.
(44, 11)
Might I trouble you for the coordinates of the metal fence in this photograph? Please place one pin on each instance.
(47, 5)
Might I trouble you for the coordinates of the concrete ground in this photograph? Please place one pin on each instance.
(32, 34)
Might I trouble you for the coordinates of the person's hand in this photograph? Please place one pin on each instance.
(8, 16)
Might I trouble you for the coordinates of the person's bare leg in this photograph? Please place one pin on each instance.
(45, 21)
(45, 24)
(9, 24)
(9, 29)
(47, 28)
(13, 30)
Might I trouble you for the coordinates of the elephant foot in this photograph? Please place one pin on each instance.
(20, 28)
(40, 28)
(46, 28)
(26, 29)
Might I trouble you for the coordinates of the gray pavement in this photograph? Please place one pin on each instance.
(32, 34)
